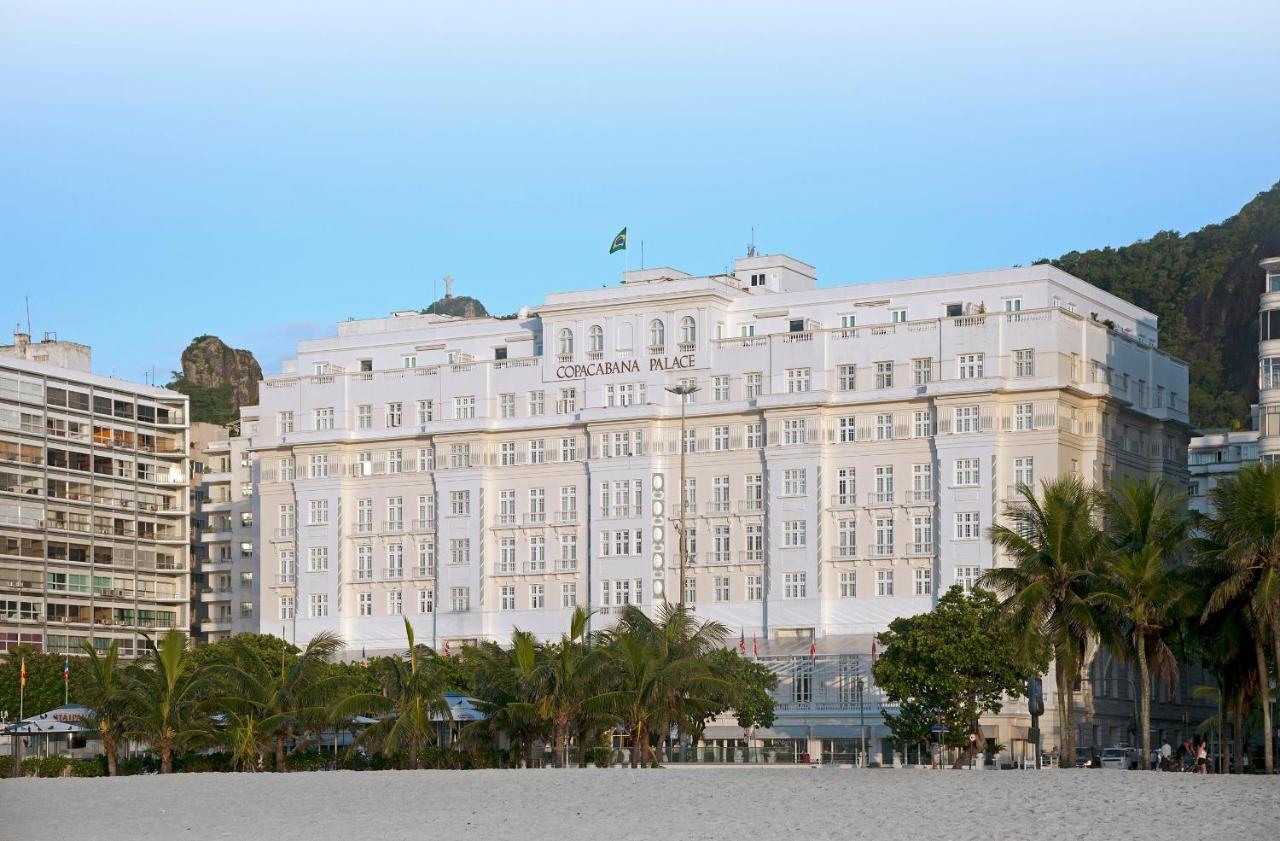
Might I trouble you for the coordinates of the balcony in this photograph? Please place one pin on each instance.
(393, 573)
(846, 553)
(751, 506)
(920, 550)
(844, 500)
(880, 550)
(506, 519)
(364, 575)
(288, 579)
(567, 518)
(215, 625)
(880, 498)
(422, 572)
(535, 518)
(719, 507)
(220, 594)
(567, 565)
(424, 525)
(751, 556)
(920, 497)
(282, 534)
(392, 526)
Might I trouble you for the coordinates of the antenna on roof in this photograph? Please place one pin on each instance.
(27, 301)
(751, 248)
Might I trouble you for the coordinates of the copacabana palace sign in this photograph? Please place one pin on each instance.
(624, 366)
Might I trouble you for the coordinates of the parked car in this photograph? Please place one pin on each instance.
(1084, 756)
(1122, 758)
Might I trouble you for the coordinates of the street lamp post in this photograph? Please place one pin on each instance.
(684, 390)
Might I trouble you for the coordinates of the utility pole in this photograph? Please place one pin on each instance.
(684, 390)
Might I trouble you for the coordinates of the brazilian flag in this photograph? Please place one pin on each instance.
(619, 242)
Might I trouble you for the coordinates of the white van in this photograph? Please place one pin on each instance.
(1119, 757)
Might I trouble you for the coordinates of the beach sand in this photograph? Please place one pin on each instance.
(680, 804)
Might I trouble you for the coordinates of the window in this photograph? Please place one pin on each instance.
(847, 377)
(793, 482)
(1024, 362)
(537, 403)
(720, 387)
(720, 545)
(537, 553)
(754, 486)
(595, 339)
(323, 418)
(1270, 372)
(884, 374)
(758, 279)
(922, 423)
(284, 422)
(793, 432)
(755, 588)
(569, 595)
(965, 419)
(754, 436)
(395, 602)
(460, 503)
(691, 590)
(754, 384)
(395, 560)
(657, 336)
(922, 534)
(884, 484)
(507, 405)
(924, 582)
(427, 558)
(969, 366)
(688, 331)
(568, 402)
(364, 416)
(848, 584)
(847, 539)
(966, 471)
(720, 494)
(426, 601)
(795, 534)
(460, 599)
(318, 466)
(1024, 417)
(848, 322)
(568, 449)
(967, 577)
(1024, 471)
(884, 582)
(898, 316)
(967, 527)
(719, 438)
(395, 513)
(1012, 304)
(848, 429)
(922, 371)
(506, 556)
(922, 482)
(364, 563)
(286, 607)
(884, 535)
(507, 597)
(794, 585)
(318, 559)
(566, 342)
(798, 380)
(286, 470)
(568, 552)
(538, 451)
(691, 440)
(460, 551)
(285, 520)
(318, 512)
(538, 505)
(426, 411)
(319, 605)
(884, 427)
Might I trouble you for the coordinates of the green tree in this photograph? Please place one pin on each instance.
(748, 687)
(1055, 546)
(164, 699)
(413, 690)
(44, 680)
(100, 687)
(955, 663)
(274, 691)
(565, 677)
(1139, 588)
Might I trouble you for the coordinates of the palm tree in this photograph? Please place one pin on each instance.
(413, 690)
(1138, 587)
(507, 684)
(678, 637)
(1245, 527)
(102, 691)
(1055, 546)
(282, 697)
(565, 678)
(164, 699)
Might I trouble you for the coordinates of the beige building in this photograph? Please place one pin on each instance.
(93, 503)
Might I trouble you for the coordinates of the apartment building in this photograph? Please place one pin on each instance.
(1218, 455)
(93, 503)
(226, 593)
(846, 450)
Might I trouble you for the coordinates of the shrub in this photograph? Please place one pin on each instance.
(93, 767)
(6, 767)
(312, 760)
(203, 763)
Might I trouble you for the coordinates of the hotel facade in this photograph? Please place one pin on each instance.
(93, 504)
(846, 450)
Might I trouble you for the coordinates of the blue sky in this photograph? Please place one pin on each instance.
(260, 170)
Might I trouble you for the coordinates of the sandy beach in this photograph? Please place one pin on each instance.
(674, 803)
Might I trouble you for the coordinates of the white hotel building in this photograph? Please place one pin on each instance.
(847, 449)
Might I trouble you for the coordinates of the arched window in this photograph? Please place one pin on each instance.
(688, 330)
(566, 342)
(595, 338)
(657, 334)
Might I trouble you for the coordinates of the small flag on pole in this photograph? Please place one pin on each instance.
(742, 643)
(66, 670)
(22, 674)
(813, 651)
(874, 656)
(755, 648)
(619, 242)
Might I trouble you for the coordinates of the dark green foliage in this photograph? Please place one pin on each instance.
(749, 685)
(209, 404)
(44, 680)
(462, 306)
(953, 664)
(1204, 287)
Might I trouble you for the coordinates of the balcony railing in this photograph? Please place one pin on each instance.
(567, 565)
(751, 556)
(880, 550)
(880, 498)
(422, 572)
(286, 579)
(920, 550)
(750, 506)
(920, 497)
(846, 553)
(844, 500)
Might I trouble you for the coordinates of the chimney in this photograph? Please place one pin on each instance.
(21, 341)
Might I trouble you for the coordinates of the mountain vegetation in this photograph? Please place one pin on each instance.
(218, 379)
(1204, 287)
